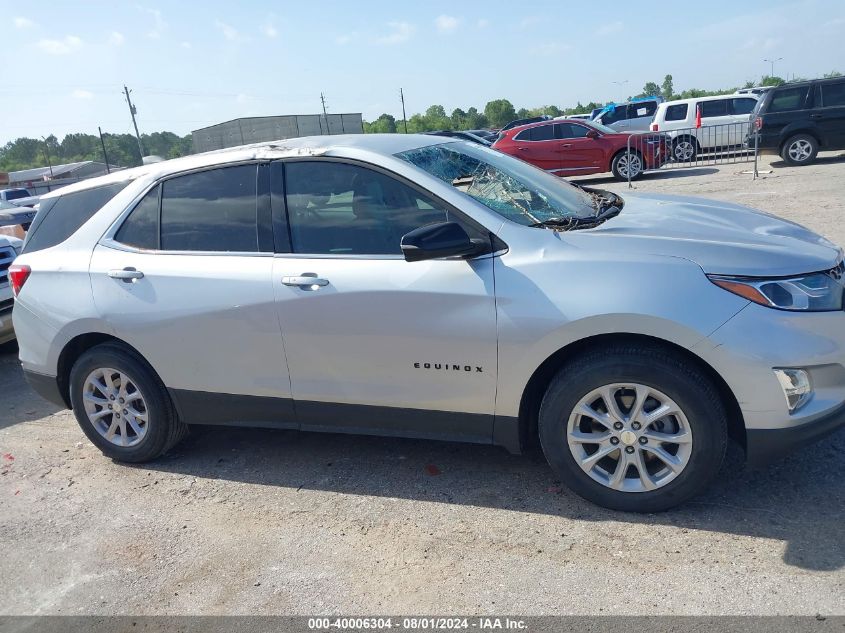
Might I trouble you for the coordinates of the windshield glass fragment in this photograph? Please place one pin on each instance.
(513, 189)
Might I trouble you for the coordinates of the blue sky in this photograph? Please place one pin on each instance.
(192, 64)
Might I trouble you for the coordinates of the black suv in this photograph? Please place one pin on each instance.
(797, 120)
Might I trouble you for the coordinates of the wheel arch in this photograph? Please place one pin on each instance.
(532, 395)
(787, 135)
(77, 346)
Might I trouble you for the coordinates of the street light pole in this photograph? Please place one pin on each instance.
(772, 62)
(620, 83)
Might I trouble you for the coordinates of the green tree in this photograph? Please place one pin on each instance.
(651, 89)
(832, 74)
(668, 88)
(459, 119)
(385, 124)
(499, 112)
(766, 80)
(476, 120)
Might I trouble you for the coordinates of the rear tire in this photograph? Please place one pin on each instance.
(620, 164)
(122, 406)
(674, 471)
(800, 149)
(685, 149)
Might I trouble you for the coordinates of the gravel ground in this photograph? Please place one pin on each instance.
(240, 521)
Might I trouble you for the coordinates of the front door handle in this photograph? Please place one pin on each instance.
(128, 274)
(306, 281)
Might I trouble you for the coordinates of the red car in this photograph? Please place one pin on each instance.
(567, 147)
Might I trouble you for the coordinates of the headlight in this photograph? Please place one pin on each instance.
(814, 293)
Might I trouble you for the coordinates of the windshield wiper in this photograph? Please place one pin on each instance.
(570, 223)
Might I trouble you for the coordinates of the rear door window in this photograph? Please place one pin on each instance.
(213, 210)
(677, 112)
(715, 108)
(833, 94)
(61, 217)
(641, 110)
(786, 99)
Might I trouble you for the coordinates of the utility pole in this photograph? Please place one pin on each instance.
(105, 156)
(133, 111)
(325, 113)
(404, 116)
(47, 154)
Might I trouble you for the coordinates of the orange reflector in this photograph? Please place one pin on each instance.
(743, 290)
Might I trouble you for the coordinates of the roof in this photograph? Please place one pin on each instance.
(38, 173)
(274, 116)
(731, 95)
(338, 145)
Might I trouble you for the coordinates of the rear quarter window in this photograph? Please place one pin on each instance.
(677, 112)
(833, 94)
(61, 217)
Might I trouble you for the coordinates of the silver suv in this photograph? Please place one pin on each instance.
(410, 286)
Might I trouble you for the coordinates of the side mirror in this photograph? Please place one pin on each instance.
(592, 134)
(445, 239)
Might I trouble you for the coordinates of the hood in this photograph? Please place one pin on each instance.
(721, 237)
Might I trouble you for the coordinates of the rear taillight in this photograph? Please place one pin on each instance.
(758, 123)
(17, 277)
(654, 127)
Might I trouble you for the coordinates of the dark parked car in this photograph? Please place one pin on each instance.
(518, 122)
(799, 119)
(463, 134)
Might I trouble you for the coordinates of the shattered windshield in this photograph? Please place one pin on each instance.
(510, 187)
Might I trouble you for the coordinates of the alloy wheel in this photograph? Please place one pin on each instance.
(629, 437)
(115, 406)
(684, 151)
(632, 162)
(800, 150)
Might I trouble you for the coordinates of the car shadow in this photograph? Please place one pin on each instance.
(18, 402)
(800, 502)
(659, 174)
(820, 160)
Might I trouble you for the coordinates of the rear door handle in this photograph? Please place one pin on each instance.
(128, 274)
(815, 116)
(306, 281)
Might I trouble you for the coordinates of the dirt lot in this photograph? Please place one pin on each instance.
(256, 521)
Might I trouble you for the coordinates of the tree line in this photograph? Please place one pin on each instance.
(122, 149)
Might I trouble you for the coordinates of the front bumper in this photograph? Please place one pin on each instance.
(767, 445)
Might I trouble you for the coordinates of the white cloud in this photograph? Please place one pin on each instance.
(243, 98)
(116, 38)
(64, 46)
(766, 44)
(610, 28)
(482, 23)
(23, 23)
(531, 20)
(346, 38)
(446, 23)
(549, 49)
(229, 32)
(399, 32)
(159, 25)
(82, 94)
(185, 44)
(269, 27)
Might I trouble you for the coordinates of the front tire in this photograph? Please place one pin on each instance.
(622, 162)
(800, 149)
(633, 427)
(122, 406)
